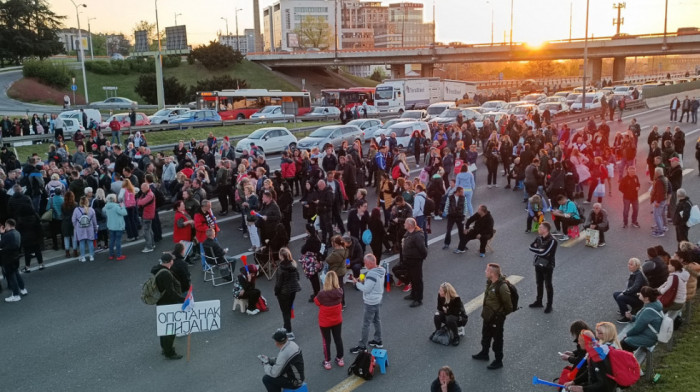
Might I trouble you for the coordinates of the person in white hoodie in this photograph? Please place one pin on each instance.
(676, 273)
(372, 291)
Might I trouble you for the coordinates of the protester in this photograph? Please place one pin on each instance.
(330, 318)
(640, 335)
(115, 224)
(450, 311)
(287, 369)
(170, 290)
(497, 305)
(482, 230)
(598, 220)
(445, 382)
(246, 280)
(372, 291)
(628, 299)
(545, 248)
(286, 287)
(85, 224)
(414, 253)
(10, 244)
(673, 291)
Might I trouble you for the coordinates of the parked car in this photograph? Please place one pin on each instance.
(592, 102)
(555, 108)
(92, 114)
(623, 90)
(495, 117)
(273, 139)
(195, 116)
(521, 111)
(404, 130)
(323, 112)
(571, 98)
(417, 114)
(534, 98)
(163, 116)
(512, 105)
(384, 128)
(563, 94)
(493, 106)
(589, 90)
(450, 115)
(368, 126)
(437, 108)
(115, 103)
(124, 121)
(272, 113)
(554, 99)
(71, 126)
(333, 134)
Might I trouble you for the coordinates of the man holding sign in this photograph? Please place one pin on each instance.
(170, 289)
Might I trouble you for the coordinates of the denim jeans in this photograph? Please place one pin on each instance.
(116, 137)
(468, 200)
(371, 316)
(626, 209)
(623, 300)
(14, 279)
(148, 233)
(91, 248)
(115, 240)
(659, 217)
(68, 241)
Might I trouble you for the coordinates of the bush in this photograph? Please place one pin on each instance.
(174, 91)
(52, 74)
(216, 56)
(217, 83)
(172, 61)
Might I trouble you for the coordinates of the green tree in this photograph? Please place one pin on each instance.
(99, 45)
(541, 68)
(216, 56)
(28, 29)
(378, 74)
(174, 91)
(216, 83)
(314, 32)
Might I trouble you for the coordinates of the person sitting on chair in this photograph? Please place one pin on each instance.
(598, 220)
(482, 230)
(213, 249)
(246, 279)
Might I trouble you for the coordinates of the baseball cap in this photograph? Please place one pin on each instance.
(280, 336)
(166, 258)
(674, 159)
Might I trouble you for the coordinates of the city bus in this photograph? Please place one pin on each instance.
(241, 104)
(345, 99)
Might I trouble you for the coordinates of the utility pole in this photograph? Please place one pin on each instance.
(226, 20)
(80, 49)
(176, 15)
(585, 61)
(511, 23)
(620, 20)
(159, 65)
(571, 17)
(238, 38)
(92, 55)
(665, 46)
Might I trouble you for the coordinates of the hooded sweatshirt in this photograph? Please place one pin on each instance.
(373, 286)
(330, 307)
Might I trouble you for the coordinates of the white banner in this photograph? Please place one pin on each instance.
(172, 320)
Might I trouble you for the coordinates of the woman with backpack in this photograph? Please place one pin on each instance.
(310, 256)
(286, 288)
(67, 229)
(330, 318)
(640, 335)
(85, 223)
(127, 195)
(450, 311)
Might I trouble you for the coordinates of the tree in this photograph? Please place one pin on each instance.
(99, 45)
(28, 29)
(314, 32)
(217, 83)
(540, 68)
(378, 74)
(174, 91)
(216, 56)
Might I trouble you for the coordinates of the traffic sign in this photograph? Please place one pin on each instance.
(74, 87)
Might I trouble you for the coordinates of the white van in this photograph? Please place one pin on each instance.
(92, 114)
(437, 108)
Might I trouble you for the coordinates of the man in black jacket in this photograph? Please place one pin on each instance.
(171, 294)
(456, 210)
(413, 252)
(268, 217)
(681, 215)
(355, 253)
(10, 242)
(213, 249)
(323, 198)
(545, 249)
(482, 230)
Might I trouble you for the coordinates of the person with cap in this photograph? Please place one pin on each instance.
(171, 291)
(286, 371)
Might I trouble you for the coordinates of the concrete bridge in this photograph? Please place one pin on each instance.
(617, 48)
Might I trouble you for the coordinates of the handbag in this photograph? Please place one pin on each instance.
(694, 217)
(592, 238)
(669, 296)
(441, 336)
(472, 167)
(458, 166)
(611, 170)
(599, 190)
(47, 216)
(542, 262)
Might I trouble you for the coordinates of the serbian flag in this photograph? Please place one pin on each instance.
(189, 301)
(596, 351)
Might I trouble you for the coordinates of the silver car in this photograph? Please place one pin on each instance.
(115, 103)
(163, 116)
(331, 134)
(368, 126)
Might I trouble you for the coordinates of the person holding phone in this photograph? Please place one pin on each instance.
(287, 369)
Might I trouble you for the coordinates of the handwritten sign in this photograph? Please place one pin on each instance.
(204, 317)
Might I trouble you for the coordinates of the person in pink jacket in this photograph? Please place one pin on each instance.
(147, 201)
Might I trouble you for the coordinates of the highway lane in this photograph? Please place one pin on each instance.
(85, 328)
(11, 106)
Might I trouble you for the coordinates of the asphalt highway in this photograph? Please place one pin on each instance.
(83, 327)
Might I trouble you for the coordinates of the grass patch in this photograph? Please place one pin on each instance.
(31, 90)
(159, 138)
(254, 74)
(360, 81)
(680, 367)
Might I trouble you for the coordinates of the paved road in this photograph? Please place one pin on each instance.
(83, 327)
(11, 106)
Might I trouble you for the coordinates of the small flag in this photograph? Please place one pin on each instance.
(244, 259)
(189, 301)
(388, 283)
(292, 311)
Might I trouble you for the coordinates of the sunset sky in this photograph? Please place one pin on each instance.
(457, 20)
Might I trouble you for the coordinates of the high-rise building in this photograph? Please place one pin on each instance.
(285, 22)
(257, 35)
(243, 43)
(404, 27)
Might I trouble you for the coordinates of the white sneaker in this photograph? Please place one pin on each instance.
(24, 292)
(82, 259)
(253, 312)
(147, 250)
(92, 258)
(13, 298)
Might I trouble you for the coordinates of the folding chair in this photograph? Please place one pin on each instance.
(213, 272)
(266, 260)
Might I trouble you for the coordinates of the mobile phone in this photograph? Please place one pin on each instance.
(263, 358)
(560, 353)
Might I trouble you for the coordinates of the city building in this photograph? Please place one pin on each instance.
(404, 27)
(69, 39)
(284, 21)
(241, 42)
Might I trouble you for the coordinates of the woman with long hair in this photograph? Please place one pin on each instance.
(67, 229)
(250, 203)
(330, 318)
(85, 223)
(115, 224)
(449, 311)
(184, 224)
(128, 196)
(445, 382)
(98, 204)
(376, 227)
(286, 287)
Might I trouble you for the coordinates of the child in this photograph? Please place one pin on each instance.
(534, 212)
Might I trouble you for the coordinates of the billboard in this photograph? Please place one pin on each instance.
(176, 38)
(141, 41)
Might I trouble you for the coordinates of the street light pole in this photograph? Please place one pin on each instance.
(238, 38)
(335, 25)
(665, 46)
(585, 61)
(571, 17)
(159, 65)
(226, 20)
(80, 48)
(491, 2)
(511, 23)
(92, 56)
(176, 15)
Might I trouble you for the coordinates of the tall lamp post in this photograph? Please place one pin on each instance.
(80, 47)
(176, 15)
(665, 46)
(585, 61)
(226, 20)
(238, 38)
(491, 2)
(92, 56)
(159, 65)
(511, 23)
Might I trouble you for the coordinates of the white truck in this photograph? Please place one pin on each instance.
(398, 95)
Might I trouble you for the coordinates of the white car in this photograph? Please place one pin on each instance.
(272, 113)
(324, 112)
(571, 98)
(367, 125)
(521, 111)
(163, 116)
(115, 103)
(554, 99)
(92, 114)
(555, 108)
(493, 106)
(71, 126)
(418, 114)
(592, 102)
(404, 130)
(384, 128)
(623, 90)
(534, 98)
(272, 139)
(330, 134)
(449, 116)
(435, 109)
(589, 90)
(512, 105)
(495, 117)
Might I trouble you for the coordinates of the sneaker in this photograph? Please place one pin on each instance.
(458, 251)
(482, 356)
(13, 298)
(407, 288)
(327, 365)
(624, 226)
(41, 267)
(339, 362)
(357, 349)
(290, 335)
(251, 249)
(665, 228)
(376, 343)
(586, 202)
(26, 270)
(438, 218)
(635, 225)
(536, 304)
(482, 254)
(601, 244)
(147, 250)
(122, 257)
(623, 320)
(658, 234)
(495, 185)
(245, 235)
(111, 257)
(82, 260)
(253, 312)
(24, 292)
(445, 247)
(399, 283)
(415, 304)
(91, 258)
(495, 365)
(174, 356)
(490, 186)
(564, 238)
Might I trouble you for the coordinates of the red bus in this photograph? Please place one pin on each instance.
(240, 104)
(347, 98)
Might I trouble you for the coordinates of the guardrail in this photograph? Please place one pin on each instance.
(585, 115)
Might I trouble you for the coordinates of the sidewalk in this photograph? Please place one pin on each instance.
(665, 100)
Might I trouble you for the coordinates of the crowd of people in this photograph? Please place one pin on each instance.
(91, 198)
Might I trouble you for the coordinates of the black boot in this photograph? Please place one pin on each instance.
(496, 364)
(536, 304)
(481, 355)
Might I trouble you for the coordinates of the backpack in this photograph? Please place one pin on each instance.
(625, 368)
(84, 220)
(262, 304)
(150, 295)
(514, 296)
(429, 207)
(396, 172)
(160, 197)
(309, 262)
(363, 366)
(665, 331)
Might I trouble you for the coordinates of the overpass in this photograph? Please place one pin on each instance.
(397, 58)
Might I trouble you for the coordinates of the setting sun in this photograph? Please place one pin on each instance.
(535, 43)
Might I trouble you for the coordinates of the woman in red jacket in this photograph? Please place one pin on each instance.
(330, 318)
(183, 223)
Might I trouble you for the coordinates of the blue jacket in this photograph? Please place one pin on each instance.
(466, 181)
(115, 216)
(380, 160)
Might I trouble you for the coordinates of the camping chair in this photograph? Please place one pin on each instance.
(267, 260)
(216, 272)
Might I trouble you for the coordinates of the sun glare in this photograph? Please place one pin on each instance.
(534, 43)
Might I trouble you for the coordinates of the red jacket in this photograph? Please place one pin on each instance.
(289, 168)
(330, 307)
(148, 202)
(182, 233)
(201, 226)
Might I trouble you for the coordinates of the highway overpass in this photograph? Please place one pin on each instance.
(397, 58)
